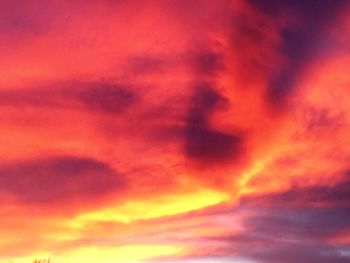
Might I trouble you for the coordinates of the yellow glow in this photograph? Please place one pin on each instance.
(149, 209)
(123, 254)
(129, 254)
(250, 173)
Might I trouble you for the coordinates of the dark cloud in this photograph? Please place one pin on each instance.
(58, 179)
(302, 39)
(338, 194)
(301, 224)
(205, 100)
(294, 235)
(101, 97)
(314, 10)
(318, 119)
(209, 62)
(203, 143)
(290, 252)
(297, 225)
(208, 145)
(108, 98)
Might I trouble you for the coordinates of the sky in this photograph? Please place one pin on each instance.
(175, 131)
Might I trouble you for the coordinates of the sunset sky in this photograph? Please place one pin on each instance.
(175, 131)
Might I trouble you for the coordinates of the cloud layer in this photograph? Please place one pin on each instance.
(174, 131)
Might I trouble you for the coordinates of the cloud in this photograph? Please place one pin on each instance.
(325, 195)
(129, 123)
(288, 253)
(309, 224)
(303, 31)
(297, 225)
(58, 179)
(208, 63)
(104, 97)
(203, 143)
(107, 98)
(294, 234)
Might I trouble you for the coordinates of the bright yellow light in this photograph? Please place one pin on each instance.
(249, 174)
(123, 254)
(154, 208)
